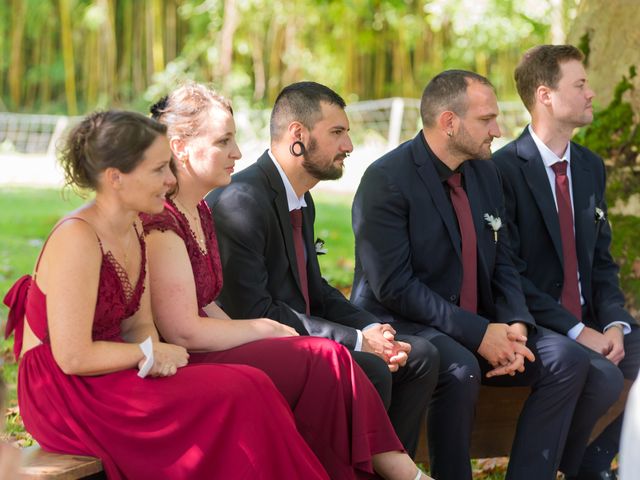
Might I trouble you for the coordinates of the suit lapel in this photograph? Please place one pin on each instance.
(429, 176)
(282, 212)
(584, 207)
(536, 178)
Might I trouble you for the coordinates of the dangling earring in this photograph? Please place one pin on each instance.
(301, 149)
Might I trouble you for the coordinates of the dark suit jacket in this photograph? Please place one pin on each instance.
(408, 250)
(535, 235)
(259, 260)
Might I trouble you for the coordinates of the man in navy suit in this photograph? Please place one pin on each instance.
(270, 265)
(433, 259)
(560, 236)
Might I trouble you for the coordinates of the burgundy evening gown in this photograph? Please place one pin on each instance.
(206, 422)
(337, 410)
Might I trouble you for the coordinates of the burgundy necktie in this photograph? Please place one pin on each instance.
(570, 297)
(460, 201)
(298, 241)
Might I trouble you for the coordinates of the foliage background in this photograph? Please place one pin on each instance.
(72, 56)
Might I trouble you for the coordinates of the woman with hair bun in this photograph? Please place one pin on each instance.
(93, 377)
(337, 410)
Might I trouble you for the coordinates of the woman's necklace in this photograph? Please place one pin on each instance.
(126, 252)
(194, 221)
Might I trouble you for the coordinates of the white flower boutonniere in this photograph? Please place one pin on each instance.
(320, 250)
(495, 223)
(600, 215)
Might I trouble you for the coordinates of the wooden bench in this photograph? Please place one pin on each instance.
(497, 414)
(38, 465)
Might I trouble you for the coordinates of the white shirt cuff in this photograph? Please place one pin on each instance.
(575, 331)
(626, 328)
(358, 347)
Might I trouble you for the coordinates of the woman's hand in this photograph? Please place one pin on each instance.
(167, 358)
(271, 329)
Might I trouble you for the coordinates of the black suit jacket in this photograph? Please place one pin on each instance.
(408, 247)
(536, 241)
(259, 260)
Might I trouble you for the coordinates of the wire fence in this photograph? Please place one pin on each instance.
(28, 143)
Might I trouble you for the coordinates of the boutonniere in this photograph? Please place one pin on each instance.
(495, 223)
(320, 250)
(600, 215)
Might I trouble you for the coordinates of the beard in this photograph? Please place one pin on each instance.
(316, 166)
(464, 145)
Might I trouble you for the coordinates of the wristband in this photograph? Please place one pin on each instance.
(147, 351)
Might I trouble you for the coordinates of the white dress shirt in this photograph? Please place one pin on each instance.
(549, 158)
(294, 203)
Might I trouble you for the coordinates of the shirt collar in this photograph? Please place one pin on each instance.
(444, 172)
(293, 201)
(548, 157)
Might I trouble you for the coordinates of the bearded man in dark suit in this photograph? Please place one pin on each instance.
(433, 259)
(555, 197)
(264, 222)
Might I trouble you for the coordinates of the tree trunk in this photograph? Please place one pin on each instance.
(16, 72)
(226, 44)
(613, 40)
(67, 56)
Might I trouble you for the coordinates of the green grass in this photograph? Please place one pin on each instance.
(333, 225)
(26, 217)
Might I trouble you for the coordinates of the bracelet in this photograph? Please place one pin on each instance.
(147, 351)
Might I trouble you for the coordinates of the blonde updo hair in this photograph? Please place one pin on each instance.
(183, 110)
(111, 139)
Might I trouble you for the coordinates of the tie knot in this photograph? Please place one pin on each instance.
(296, 218)
(560, 168)
(455, 180)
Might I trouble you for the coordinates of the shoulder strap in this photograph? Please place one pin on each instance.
(54, 229)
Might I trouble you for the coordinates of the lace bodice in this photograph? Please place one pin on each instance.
(117, 300)
(206, 266)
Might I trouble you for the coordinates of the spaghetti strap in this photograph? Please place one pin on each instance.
(35, 271)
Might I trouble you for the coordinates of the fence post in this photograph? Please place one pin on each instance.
(395, 122)
(61, 125)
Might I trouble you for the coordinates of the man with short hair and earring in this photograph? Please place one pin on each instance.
(265, 220)
(432, 259)
(557, 218)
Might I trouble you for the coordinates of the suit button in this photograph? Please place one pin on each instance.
(558, 284)
(453, 298)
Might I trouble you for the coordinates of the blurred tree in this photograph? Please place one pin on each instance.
(77, 55)
(608, 32)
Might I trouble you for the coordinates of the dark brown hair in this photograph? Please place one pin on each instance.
(541, 66)
(111, 139)
(447, 91)
(301, 102)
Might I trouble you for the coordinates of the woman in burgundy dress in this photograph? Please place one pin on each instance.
(336, 408)
(89, 340)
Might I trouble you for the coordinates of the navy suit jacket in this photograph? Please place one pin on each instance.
(536, 242)
(408, 246)
(259, 259)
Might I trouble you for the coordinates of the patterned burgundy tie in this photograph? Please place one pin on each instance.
(570, 297)
(298, 241)
(460, 201)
